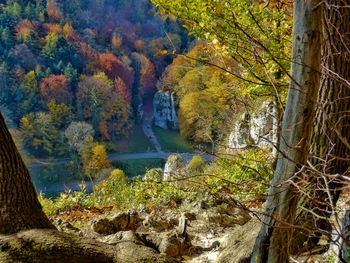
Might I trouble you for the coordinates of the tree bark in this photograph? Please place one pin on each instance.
(329, 151)
(274, 240)
(19, 205)
(344, 249)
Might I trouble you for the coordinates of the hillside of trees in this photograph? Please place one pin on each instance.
(74, 76)
(64, 63)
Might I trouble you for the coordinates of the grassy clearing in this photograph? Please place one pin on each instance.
(172, 141)
(137, 167)
(137, 142)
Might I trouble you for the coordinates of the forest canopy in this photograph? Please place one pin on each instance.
(80, 61)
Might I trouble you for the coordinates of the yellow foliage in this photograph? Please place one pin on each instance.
(61, 113)
(119, 177)
(99, 158)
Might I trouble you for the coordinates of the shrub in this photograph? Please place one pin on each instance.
(197, 163)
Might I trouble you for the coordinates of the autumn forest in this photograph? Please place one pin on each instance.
(199, 131)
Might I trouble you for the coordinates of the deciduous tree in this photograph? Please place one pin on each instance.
(56, 87)
(17, 192)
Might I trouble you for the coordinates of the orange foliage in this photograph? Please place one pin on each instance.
(140, 46)
(114, 68)
(122, 90)
(103, 128)
(148, 79)
(53, 29)
(54, 10)
(56, 87)
(24, 27)
(70, 34)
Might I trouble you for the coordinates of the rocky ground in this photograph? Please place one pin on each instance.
(214, 229)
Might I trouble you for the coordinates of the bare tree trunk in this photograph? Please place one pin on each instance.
(329, 151)
(274, 240)
(19, 205)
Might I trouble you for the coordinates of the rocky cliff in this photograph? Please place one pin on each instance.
(164, 112)
(257, 129)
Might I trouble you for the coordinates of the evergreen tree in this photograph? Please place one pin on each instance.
(71, 74)
(20, 38)
(32, 42)
(6, 37)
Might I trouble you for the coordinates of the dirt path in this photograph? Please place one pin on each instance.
(147, 126)
(148, 131)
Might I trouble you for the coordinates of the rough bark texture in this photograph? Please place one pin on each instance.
(19, 205)
(274, 240)
(329, 151)
(51, 246)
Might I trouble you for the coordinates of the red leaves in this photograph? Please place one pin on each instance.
(114, 68)
(56, 87)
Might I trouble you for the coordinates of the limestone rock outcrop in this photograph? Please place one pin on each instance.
(119, 222)
(164, 112)
(174, 167)
(258, 129)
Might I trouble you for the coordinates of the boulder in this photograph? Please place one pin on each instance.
(182, 227)
(164, 113)
(126, 221)
(119, 222)
(235, 217)
(64, 226)
(221, 210)
(238, 245)
(103, 226)
(174, 167)
(160, 223)
(120, 236)
(344, 250)
(168, 243)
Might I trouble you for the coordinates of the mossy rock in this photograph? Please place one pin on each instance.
(44, 245)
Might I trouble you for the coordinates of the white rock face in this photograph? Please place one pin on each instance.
(260, 129)
(140, 111)
(164, 112)
(173, 167)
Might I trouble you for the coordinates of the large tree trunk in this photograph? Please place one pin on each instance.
(19, 205)
(329, 151)
(274, 240)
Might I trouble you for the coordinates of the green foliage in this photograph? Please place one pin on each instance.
(41, 39)
(250, 32)
(67, 201)
(205, 93)
(197, 163)
(40, 134)
(119, 192)
(247, 175)
(137, 167)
